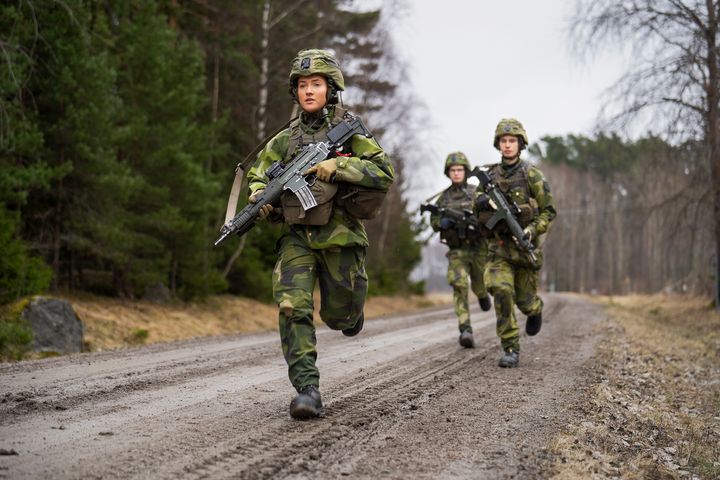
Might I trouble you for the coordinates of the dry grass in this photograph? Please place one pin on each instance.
(113, 323)
(654, 411)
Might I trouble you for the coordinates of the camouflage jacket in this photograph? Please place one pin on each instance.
(538, 189)
(367, 166)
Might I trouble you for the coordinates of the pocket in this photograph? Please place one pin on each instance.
(318, 215)
(361, 202)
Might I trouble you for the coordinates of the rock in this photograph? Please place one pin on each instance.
(157, 293)
(55, 326)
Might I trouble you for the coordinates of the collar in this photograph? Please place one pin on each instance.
(312, 122)
(510, 168)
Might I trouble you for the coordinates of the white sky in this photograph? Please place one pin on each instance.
(475, 62)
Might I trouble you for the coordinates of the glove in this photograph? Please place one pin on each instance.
(483, 203)
(446, 223)
(529, 233)
(324, 170)
(265, 210)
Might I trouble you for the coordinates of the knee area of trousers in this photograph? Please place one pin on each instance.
(290, 310)
(501, 290)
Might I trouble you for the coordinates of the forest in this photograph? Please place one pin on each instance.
(121, 123)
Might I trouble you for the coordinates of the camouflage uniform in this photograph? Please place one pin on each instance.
(333, 254)
(510, 276)
(466, 257)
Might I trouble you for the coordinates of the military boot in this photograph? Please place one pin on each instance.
(467, 340)
(509, 359)
(534, 322)
(307, 404)
(352, 331)
(485, 303)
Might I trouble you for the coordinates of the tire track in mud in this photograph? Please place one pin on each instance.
(359, 409)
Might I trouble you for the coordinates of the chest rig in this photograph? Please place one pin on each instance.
(515, 185)
(354, 200)
(324, 192)
(459, 198)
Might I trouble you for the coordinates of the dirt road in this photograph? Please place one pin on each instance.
(403, 400)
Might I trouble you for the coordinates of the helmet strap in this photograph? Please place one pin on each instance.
(332, 93)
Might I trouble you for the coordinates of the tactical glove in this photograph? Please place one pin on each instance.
(324, 170)
(446, 223)
(483, 203)
(265, 210)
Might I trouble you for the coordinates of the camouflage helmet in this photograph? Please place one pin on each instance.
(316, 62)
(456, 158)
(510, 126)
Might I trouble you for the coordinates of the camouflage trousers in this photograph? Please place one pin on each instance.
(511, 285)
(340, 272)
(464, 263)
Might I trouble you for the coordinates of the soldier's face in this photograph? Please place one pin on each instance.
(457, 173)
(312, 93)
(509, 146)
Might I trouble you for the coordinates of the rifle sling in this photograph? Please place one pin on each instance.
(240, 173)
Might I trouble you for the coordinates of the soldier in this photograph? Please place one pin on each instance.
(468, 248)
(510, 275)
(327, 243)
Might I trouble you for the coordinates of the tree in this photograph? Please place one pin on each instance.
(675, 74)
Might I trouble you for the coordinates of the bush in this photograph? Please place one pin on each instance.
(15, 334)
(20, 273)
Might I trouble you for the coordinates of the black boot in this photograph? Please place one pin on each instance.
(466, 339)
(534, 322)
(351, 332)
(509, 359)
(485, 303)
(307, 404)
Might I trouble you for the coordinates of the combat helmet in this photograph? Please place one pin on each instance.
(510, 126)
(317, 62)
(456, 158)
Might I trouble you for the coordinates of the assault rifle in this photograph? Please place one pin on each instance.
(291, 176)
(504, 210)
(464, 219)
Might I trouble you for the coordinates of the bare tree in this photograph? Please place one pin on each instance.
(674, 79)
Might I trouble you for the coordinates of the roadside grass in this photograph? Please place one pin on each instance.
(653, 409)
(15, 334)
(114, 323)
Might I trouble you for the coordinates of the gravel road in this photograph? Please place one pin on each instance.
(403, 400)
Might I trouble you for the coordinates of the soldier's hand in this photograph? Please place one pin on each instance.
(324, 170)
(446, 223)
(483, 203)
(255, 195)
(529, 233)
(265, 210)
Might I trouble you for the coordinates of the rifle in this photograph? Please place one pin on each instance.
(464, 220)
(290, 176)
(504, 210)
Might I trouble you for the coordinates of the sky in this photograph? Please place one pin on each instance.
(475, 62)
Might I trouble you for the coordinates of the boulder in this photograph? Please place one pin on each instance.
(157, 293)
(55, 326)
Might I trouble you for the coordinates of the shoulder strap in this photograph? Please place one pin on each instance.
(240, 172)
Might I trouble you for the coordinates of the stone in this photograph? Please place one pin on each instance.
(157, 293)
(55, 326)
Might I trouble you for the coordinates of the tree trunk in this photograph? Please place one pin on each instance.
(264, 67)
(713, 123)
